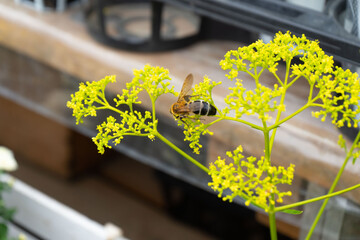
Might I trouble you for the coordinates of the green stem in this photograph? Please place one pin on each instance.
(282, 100)
(276, 125)
(335, 182)
(310, 103)
(154, 120)
(272, 219)
(213, 122)
(242, 121)
(181, 152)
(108, 106)
(267, 144)
(278, 79)
(278, 209)
(272, 222)
(293, 81)
(311, 92)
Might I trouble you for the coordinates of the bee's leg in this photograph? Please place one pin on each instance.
(195, 117)
(181, 119)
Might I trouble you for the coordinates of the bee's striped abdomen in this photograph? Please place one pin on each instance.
(203, 108)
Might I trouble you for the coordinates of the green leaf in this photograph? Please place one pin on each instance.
(292, 211)
(6, 213)
(3, 231)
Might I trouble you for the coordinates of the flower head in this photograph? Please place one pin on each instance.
(253, 179)
(91, 98)
(332, 89)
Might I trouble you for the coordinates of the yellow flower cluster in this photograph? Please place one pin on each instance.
(132, 123)
(91, 98)
(338, 93)
(253, 179)
(331, 88)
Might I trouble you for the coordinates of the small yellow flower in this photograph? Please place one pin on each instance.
(151, 137)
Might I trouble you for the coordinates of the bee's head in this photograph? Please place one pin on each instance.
(172, 111)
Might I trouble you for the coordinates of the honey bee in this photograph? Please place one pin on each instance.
(185, 106)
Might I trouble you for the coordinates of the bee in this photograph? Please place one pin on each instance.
(185, 106)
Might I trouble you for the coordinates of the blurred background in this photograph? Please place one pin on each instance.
(48, 47)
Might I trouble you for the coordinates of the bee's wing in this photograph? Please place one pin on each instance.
(183, 109)
(195, 106)
(186, 87)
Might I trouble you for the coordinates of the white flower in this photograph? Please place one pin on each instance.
(7, 160)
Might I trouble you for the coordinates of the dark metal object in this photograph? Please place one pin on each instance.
(273, 16)
(155, 42)
(263, 16)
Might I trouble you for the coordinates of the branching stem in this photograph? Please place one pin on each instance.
(332, 188)
(181, 152)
